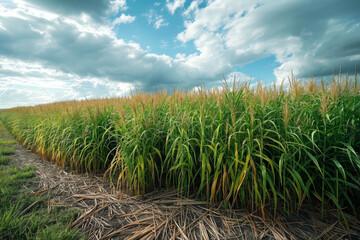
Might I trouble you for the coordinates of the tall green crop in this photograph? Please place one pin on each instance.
(238, 147)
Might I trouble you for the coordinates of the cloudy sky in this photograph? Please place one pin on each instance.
(75, 49)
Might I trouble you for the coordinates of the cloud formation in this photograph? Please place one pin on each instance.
(71, 47)
(26, 83)
(95, 8)
(309, 38)
(155, 19)
(75, 50)
(172, 6)
(124, 19)
(193, 7)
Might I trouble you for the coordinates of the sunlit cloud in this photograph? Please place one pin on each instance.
(73, 49)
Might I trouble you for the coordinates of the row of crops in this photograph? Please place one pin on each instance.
(236, 147)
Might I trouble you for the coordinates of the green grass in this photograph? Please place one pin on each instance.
(239, 148)
(4, 159)
(7, 141)
(6, 150)
(25, 217)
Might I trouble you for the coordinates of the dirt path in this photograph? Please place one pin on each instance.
(107, 214)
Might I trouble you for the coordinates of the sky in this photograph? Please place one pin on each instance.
(75, 49)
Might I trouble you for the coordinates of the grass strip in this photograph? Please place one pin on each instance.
(7, 141)
(26, 217)
(23, 216)
(6, 150)
(4, 159)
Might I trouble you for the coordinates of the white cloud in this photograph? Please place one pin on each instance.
(155, 19)
(124, 19)
(27, 83)
(172, 6)
(160, 22)
(2, 27)
(118, 5)
(72, 57)
(237, 78)
(320, 37)
(75, 52)
(193, 8)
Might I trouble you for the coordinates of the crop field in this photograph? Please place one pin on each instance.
(235, 147)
